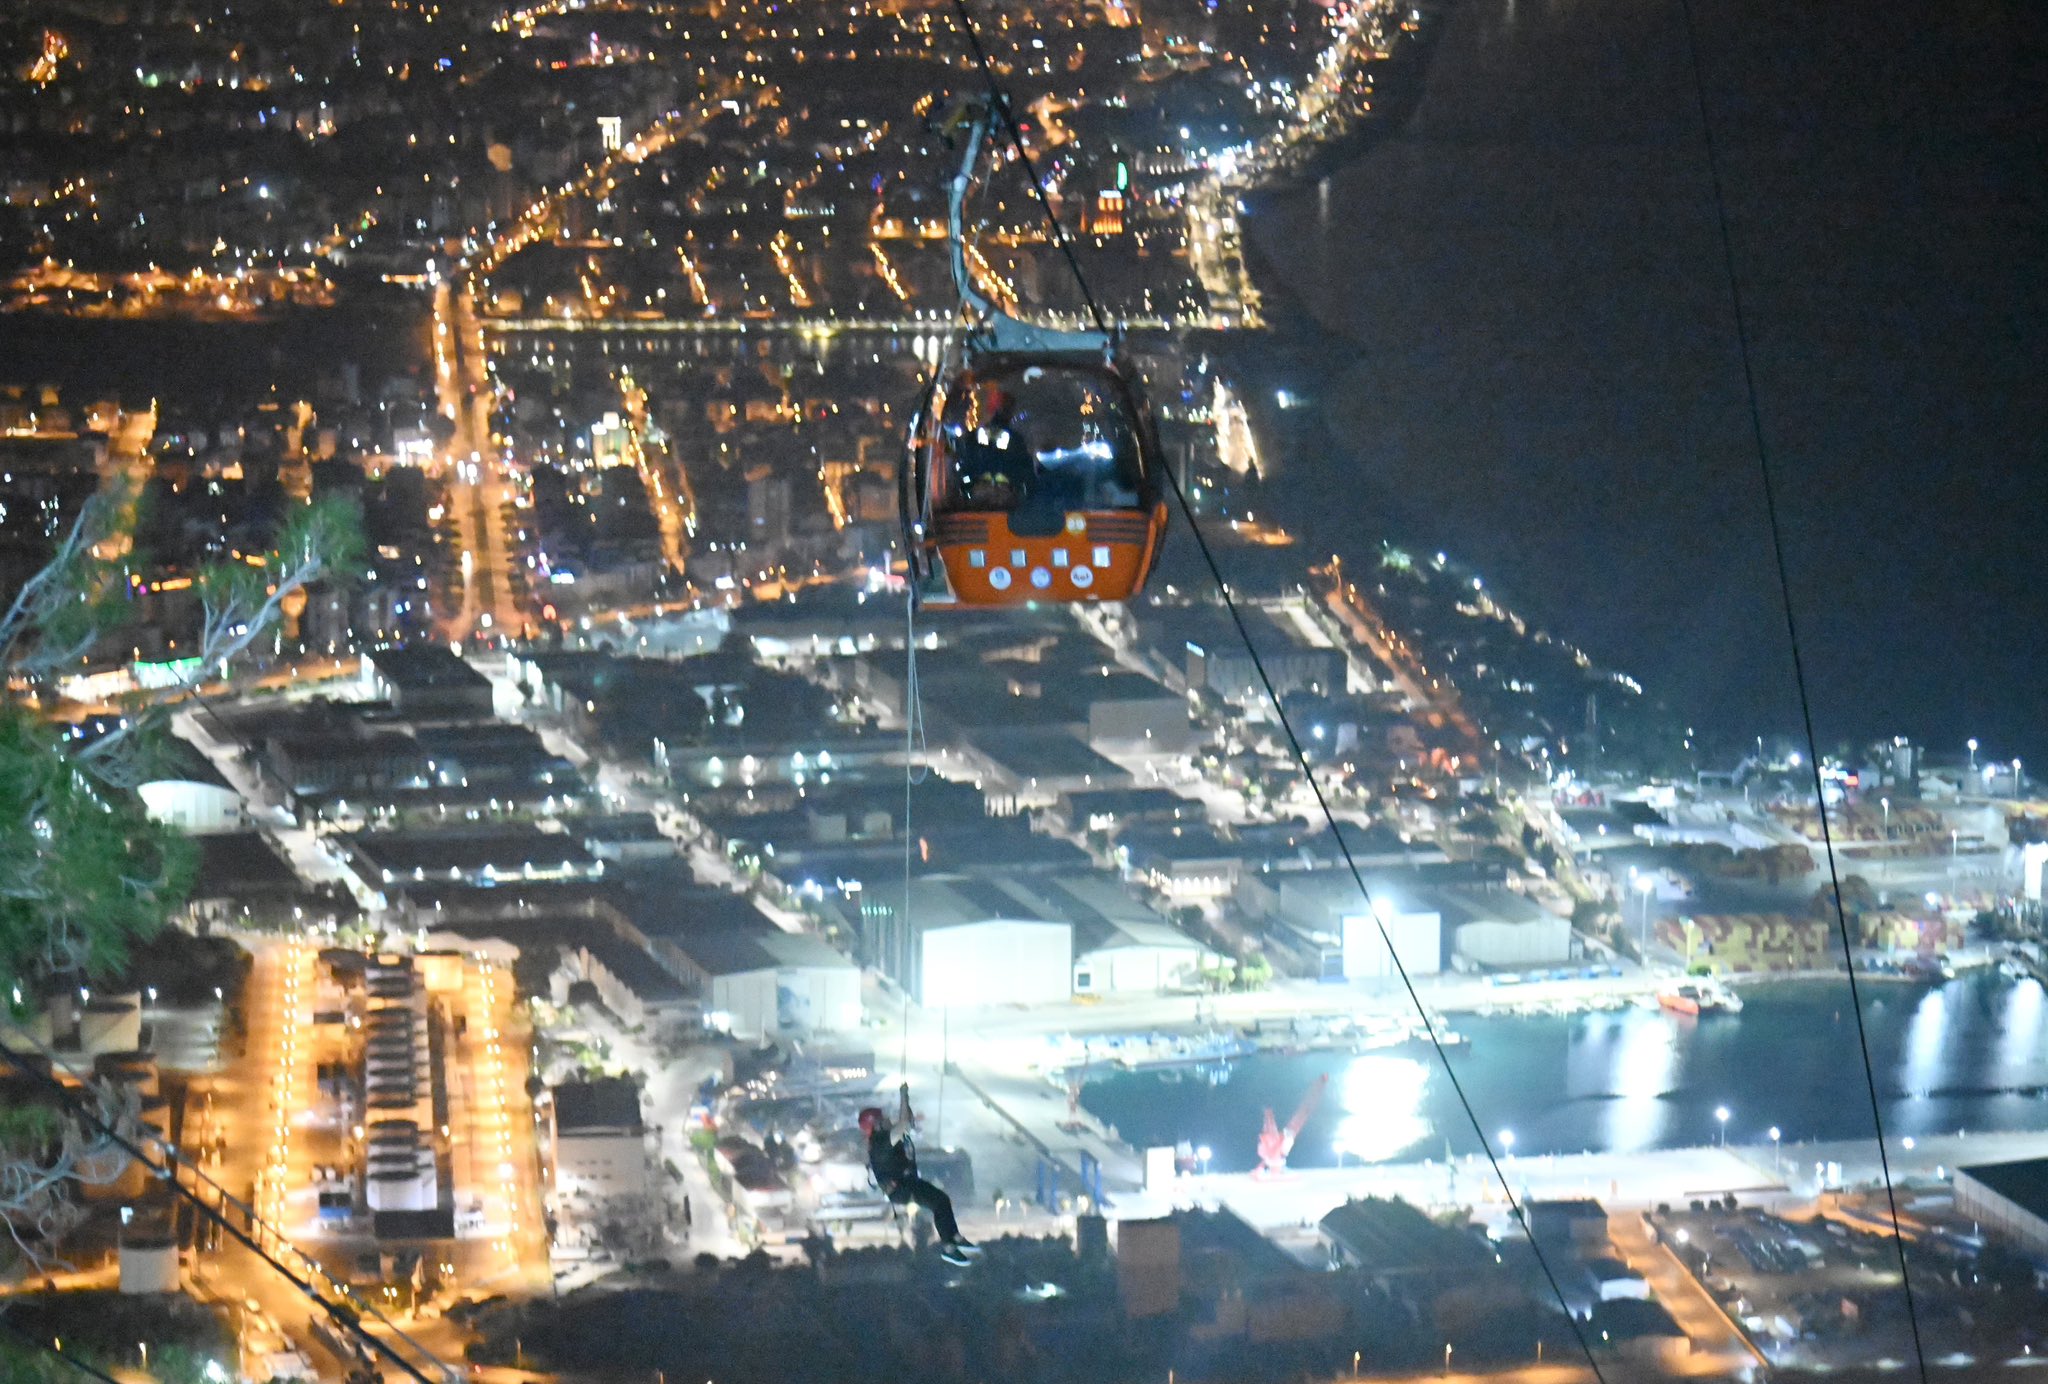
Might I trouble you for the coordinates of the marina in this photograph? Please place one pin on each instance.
(1969, 1054)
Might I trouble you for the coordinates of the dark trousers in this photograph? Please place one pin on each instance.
(933, 1199)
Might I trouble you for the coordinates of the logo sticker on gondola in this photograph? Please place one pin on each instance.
(1082, 577)
(1077, 523)
(999, 578)
(1041, 578)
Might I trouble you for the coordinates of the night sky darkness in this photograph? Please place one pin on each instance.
(1546, 379)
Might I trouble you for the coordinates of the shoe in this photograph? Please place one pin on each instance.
(954, 1255)
(966, 1246)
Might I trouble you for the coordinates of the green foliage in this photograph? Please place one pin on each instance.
(22, 1363)
(84, 872)
(104, 1334)
(27, 1129)
(321, 541)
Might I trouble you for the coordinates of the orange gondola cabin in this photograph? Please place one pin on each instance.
(1036, 478)
(1033, 470)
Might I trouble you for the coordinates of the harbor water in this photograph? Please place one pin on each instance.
(1971, 1054)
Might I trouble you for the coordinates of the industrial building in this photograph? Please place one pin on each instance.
(188, 793)
(597, 1143)
(749, 977)
(1497, 928)
(506, 854)
(427, 682)
(1390, 1242)
(1322, 923)
(399, 1155)
(761, 982)
(1216, 659)
(1321, 918)
(1025, 939)
(1122, 947)
(970, 941)
(2008, 1199)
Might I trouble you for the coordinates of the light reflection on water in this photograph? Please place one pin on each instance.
(1381, 1098)
(1972, 1054)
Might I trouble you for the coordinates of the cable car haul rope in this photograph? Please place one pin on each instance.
(985, 524)
(1033, 468)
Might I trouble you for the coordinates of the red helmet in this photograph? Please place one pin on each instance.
(869, 1118)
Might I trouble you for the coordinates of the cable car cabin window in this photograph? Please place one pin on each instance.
(1037, 441)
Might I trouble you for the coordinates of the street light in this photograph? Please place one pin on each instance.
(1721, 1113)
(1645, 885)
(1972, 742)
(2018, 780)
(1205, 1153)
(1447, 1359)
(1507, 1141)
(1775, 1171)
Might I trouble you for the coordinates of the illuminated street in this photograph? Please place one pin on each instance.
(1203, 691)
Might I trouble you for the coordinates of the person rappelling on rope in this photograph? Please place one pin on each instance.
(893, 1162)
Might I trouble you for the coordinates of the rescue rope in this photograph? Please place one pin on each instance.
(1174, 483)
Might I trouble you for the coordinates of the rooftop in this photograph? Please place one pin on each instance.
(728, 950)
(962, 901)
(503, 850)
(663, 903)
(1390, 1236)
(241, 862)
(1632, 1318)
(607, 1103)
(422, 666)
(1105, 915)
(2023, 1182)
(1134, 804)
(986, 846)
(1029, 754)
(1179, 630)
(637, 971)
(1224, 1232)
(182, 763)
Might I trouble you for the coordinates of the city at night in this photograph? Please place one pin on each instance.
(1022, 691)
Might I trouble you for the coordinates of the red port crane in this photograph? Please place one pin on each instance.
(1276, 1143)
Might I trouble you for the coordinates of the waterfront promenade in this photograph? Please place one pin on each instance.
(1631, 1181)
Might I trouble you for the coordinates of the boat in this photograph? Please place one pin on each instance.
(1680, 999)
(1932, 968)
(1704, 996)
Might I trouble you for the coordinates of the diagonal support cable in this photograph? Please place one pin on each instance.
(1174, 482)
(1770, 493)
(341, 1306)
(85, 1368)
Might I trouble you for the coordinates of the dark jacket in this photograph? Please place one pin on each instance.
(888, 1159)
